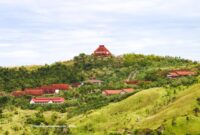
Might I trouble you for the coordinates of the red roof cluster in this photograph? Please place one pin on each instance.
(179, 73)
(47, 100)
(102, 51)
(117, 92)
(42, 90)
(32, 92)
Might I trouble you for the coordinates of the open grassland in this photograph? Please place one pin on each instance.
(15, 122)
(170, 110)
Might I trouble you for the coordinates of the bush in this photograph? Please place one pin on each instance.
(38, 119)
(174, 122)
(196, 111)
(198, 100)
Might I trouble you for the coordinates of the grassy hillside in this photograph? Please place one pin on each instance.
(155, 110)
(19, 122)
(158, 109)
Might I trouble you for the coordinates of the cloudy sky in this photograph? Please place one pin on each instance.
(45, 31)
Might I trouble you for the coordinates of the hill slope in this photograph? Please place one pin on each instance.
(158, 109)
(169, 111)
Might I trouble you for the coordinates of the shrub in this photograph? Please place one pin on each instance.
(6, 133)
(198, 100)
(174, 122)
(38, 119)
(196, 111)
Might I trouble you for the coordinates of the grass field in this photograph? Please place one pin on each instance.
(147, 109)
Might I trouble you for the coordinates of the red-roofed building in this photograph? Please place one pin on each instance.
(60, 86)
(117, 92)
(18, 93)
(128, 90)
(34, 92)
(112, 92)
(54, 88)
(180, 73)
(47, 100)
(102, 51)
(48, 89)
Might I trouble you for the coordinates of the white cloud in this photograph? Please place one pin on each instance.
(20, 54)
(5, 45)
(58, 30)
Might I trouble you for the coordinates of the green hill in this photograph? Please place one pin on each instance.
(153, 110)
(161, 106)
(173, 111)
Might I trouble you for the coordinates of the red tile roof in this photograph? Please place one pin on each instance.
(116, 92)
(128, 90)
(51, 88)
(47, 87)
(112, 92)
(34, 92)
(178, 73)
(46, 100)
(18, 93)
(60, 86)
(102, 51)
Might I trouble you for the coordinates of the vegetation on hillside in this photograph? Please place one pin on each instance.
(83, 102)
(110, 69)
(152, 111)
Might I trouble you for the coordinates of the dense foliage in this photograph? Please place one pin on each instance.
(110, 69)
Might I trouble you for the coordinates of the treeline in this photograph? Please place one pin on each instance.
(21, 78)
(110, 69)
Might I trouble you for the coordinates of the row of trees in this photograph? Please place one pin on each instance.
(21, 78)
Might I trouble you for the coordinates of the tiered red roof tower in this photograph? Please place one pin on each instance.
(102, 51)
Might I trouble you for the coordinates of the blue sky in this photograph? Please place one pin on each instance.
(45, 31)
